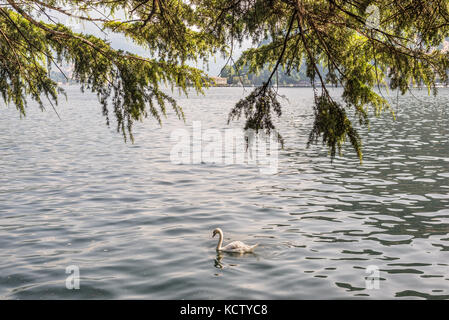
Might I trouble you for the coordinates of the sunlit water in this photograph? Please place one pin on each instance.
(138, 226)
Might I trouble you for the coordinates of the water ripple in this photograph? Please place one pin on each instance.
(138, 226)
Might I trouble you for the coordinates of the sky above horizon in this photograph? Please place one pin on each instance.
(119, 41)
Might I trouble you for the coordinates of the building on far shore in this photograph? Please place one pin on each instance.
(219, 81)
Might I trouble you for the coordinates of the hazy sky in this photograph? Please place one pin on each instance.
(118, 41)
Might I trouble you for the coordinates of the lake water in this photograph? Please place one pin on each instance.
(138, 226)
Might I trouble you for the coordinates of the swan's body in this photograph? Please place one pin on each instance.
(235, 246)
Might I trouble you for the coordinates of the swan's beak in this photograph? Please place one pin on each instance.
(213, 235)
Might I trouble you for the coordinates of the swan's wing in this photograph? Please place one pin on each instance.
(234, 245)
(238, 246)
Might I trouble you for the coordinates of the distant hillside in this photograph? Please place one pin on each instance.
(281, 77)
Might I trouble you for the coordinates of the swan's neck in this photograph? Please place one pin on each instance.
(220, 240)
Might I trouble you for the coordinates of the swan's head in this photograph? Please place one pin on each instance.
(216, 230)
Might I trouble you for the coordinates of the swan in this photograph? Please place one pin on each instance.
(235, 246)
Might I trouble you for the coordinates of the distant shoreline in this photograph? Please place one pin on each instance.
(438, 85)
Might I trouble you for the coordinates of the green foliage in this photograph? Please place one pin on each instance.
(332, 124)
(257, 108)
(327, 41)
(126, 84)
(404, 50)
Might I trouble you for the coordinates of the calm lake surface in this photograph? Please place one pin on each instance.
(139, 226)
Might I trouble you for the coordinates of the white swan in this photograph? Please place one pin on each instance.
(235, 246)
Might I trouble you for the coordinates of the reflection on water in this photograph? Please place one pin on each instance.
(138, 226)
(220, 264)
